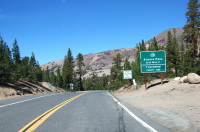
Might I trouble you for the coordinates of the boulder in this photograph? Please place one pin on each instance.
(193, 78)
(176, 78)
(183, 79)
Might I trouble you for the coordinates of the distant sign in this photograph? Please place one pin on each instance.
(152, 61)
(127, 74)
(71, 86)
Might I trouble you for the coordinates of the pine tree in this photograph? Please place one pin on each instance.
(105, 81)
(5, 62)
(38, 72)
(25, 67)
(136, 73)
(16, 53)
(59, 79)
(182, 52)
(16, 61)
(117, 62)
(93, 81)
(143, 46)
(79, 71)
(169, 50)
(173, 55)
(53, 79)
(116, 73)
(8, 64)
(191, 30)
(153, 45)
(127, 65)
(68, 70)
(176, 60)
(32, 63)
(46, 75)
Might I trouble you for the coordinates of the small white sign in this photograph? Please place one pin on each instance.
(127, 74)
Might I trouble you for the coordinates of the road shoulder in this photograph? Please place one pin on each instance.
(172, 105)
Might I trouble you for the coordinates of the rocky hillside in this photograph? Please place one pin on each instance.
(162, 37)
(101, 63)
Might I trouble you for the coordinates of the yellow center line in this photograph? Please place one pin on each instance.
(40, 119)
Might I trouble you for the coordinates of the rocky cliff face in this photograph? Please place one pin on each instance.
(101, 63)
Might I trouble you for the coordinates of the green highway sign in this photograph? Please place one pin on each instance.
(152, 61)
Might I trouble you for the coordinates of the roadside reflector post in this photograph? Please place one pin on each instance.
(134, 83)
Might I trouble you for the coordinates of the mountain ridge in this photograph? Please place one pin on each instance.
(101, 63)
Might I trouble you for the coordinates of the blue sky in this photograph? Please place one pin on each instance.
(49, 27)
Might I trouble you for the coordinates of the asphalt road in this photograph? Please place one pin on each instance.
(94, 111)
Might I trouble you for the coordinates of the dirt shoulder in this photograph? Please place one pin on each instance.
(175, 106)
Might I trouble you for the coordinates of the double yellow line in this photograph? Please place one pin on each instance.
(40, 119)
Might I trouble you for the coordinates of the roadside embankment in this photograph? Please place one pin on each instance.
(25, 88)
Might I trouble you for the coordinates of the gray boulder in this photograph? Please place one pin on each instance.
(176, 78)
(183, 79)
(193, 78)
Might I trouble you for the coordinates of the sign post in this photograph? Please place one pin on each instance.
(145, 81)
(152, 62)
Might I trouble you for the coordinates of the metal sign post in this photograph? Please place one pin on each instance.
(145, 81)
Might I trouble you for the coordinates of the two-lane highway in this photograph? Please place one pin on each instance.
(73, 112)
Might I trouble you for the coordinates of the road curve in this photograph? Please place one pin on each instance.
(73, 112)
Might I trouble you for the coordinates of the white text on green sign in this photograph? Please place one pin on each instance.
(152, 61)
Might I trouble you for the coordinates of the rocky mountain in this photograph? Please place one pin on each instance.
(101, 63)
(162, 37)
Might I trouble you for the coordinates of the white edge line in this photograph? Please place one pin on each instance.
(25, 100)
(133, 115)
